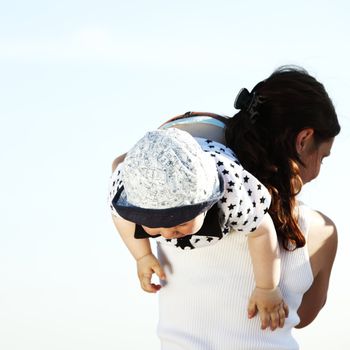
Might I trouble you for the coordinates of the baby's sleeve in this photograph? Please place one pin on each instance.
(246, 200)
(115, 183)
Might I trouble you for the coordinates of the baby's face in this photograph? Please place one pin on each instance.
(181, 230)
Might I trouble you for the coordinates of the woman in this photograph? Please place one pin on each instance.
(284, 128)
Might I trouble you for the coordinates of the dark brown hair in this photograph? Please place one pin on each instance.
(263, 136)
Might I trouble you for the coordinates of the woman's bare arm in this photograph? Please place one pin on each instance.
(322, 246)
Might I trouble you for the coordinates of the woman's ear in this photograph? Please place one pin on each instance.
(303, 139)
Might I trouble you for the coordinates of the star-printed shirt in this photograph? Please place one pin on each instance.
(241, 208)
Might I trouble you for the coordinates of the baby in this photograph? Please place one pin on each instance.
(190, 193)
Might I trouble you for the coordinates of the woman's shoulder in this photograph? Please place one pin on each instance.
(321, 228)
(322, 241)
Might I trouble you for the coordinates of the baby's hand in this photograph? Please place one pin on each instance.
(146, 267)
(270, 305)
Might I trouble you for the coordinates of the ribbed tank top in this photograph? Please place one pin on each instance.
(203, 306)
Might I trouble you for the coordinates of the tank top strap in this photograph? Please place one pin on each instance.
(304, 218)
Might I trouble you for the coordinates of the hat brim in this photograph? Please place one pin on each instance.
(168, 217)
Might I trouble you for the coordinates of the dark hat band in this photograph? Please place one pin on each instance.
(168, 217)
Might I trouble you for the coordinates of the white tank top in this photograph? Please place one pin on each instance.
(203, 306)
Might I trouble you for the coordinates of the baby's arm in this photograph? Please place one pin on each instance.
(266, 297)
(147, 263)
(245, 207)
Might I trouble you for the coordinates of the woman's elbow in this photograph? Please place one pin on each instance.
(308, 316)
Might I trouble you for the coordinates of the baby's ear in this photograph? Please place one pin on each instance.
(117, 161)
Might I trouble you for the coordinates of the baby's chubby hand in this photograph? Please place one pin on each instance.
(146, 267)
(270, 306)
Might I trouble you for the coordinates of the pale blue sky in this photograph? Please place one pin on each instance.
(80, 82)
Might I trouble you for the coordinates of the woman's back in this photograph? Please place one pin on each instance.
(203, 305)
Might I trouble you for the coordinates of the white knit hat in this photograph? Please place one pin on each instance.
(168, 169)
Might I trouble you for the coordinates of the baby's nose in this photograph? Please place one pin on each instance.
(170, 233)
